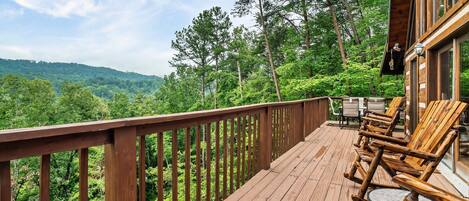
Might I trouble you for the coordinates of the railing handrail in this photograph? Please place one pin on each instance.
(21, 134)
(253, 134)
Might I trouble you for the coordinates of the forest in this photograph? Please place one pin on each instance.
(103, 82)
(297, 49)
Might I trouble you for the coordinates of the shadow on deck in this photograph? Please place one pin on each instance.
(313, 170)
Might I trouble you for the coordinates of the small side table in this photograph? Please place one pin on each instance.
(390, 194)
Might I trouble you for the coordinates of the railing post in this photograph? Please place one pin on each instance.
(265, 138)
(301, 121)
(120, 166)
(326, 107)
(5, 181)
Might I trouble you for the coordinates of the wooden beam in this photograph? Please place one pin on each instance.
(5, 181)
(120, 166)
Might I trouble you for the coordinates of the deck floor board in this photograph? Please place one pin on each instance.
(313, 170)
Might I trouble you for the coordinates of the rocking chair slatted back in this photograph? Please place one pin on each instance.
(394, 106)
(434, 126)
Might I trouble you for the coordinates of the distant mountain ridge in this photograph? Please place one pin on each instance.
(103, 81)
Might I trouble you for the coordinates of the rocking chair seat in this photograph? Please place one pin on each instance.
(393, 162)
(375, 129)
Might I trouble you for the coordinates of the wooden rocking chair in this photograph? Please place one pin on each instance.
(423, 188)
(381, 123)
(418, 157)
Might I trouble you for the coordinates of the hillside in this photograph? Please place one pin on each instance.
(103, 81)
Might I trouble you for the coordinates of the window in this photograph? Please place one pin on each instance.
(440, 7)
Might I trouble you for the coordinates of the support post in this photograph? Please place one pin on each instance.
(121, 166)
(265, 139)
(5, 181)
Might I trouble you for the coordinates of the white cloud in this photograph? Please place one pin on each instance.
(14, 50)
(60, 8)
(10, 12)
(128, 35)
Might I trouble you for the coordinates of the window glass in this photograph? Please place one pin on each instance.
(446, 74)
(441, 8)
(464, 91)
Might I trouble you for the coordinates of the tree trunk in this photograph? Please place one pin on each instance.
(216, 84)
(240, 79)
(348, 14)
(307, 32)
(269, 51)
(306, 22)
(203, 91)
(338, 33)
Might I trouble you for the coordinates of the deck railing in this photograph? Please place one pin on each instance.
(223, 147)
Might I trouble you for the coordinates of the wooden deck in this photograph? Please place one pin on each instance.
(313, 170)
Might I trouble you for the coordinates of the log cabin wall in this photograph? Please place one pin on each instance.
(433, 32)
(439, 31)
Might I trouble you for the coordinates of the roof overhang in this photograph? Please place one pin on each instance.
(399, 12)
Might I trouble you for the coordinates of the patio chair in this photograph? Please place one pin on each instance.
(350, 109)
(338, 113)
(425, 189)
(381, 123)
(418, 157)
(376, 105)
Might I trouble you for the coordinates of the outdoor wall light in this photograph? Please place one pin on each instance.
(419, 49)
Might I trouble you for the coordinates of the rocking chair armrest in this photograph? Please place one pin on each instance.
(382, 137)
(382, 121)
(378, 114)
(423, 188)
(404, 150)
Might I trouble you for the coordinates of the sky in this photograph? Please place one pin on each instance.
(127, 35)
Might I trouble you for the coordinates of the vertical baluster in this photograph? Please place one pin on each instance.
(44, 178)
(142, 175)
(249, 146)
(160, 166)
(275, 133)
(294, 127)
(187, 167)
(197, 163)
(282, 128)
(83, 174)
(301, 121)
(238, 151)
(174, 166)
(282, 125)
(225, 158)
(209, 158)
(232, 155)
(5, 181)
(287, 129)
(254, 143)
(243, 149)
(217, 160)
